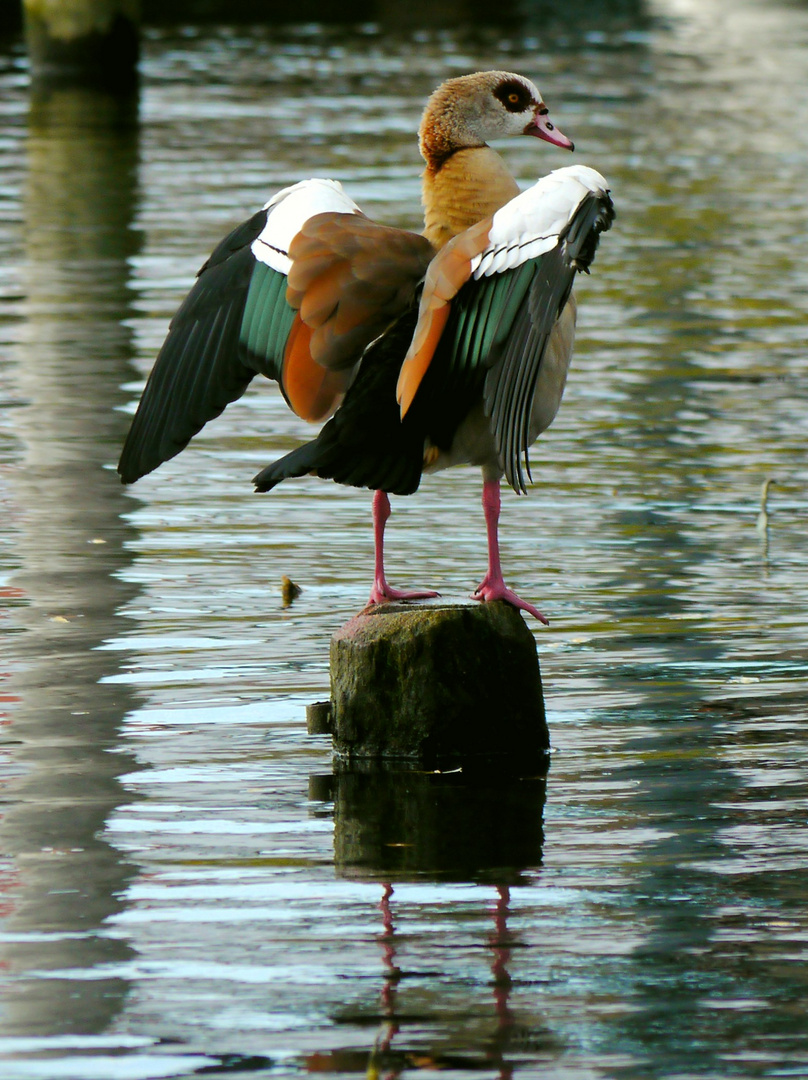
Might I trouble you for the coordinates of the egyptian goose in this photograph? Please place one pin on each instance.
(427, 350)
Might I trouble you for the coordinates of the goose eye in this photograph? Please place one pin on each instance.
(513, 96)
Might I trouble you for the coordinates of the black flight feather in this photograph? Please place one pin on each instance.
(200, 368)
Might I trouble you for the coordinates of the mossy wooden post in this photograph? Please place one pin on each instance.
(437, 682)
(89, 41)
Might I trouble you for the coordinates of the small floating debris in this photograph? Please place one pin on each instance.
(289, 591)
(763, 516)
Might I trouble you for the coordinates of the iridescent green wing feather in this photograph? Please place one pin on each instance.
(480, 321)
(266, 322)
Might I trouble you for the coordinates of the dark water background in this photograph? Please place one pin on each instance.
(185, 887)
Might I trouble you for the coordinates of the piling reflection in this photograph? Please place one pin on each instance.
(62, 879)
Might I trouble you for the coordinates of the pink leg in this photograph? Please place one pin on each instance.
(381, 591)
(493, 586)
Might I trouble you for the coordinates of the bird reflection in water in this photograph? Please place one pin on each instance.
(407, 827)
(384, 1060)
(392, 976)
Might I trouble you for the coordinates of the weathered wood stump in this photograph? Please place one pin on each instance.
(84, 41)
(437, 682)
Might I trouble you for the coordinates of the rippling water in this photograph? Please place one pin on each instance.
(187, 888)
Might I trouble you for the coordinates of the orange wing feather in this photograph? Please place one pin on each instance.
(447, 274)
(313, 391)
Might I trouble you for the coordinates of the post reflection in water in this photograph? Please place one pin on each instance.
(396, 825)
(62, 880)
(455, 826)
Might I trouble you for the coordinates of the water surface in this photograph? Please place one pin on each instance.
(187, 888)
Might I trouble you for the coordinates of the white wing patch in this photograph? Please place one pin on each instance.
(289, 210)
(530, 224)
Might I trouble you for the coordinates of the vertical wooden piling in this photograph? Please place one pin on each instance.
(87, 41)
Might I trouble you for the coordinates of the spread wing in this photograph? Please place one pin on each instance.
(491, 300)
(295, 294)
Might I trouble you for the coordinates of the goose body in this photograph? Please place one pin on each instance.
(426, 351)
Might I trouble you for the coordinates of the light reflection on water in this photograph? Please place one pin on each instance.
(186, 883)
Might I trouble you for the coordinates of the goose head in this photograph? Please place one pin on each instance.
(468, 111)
